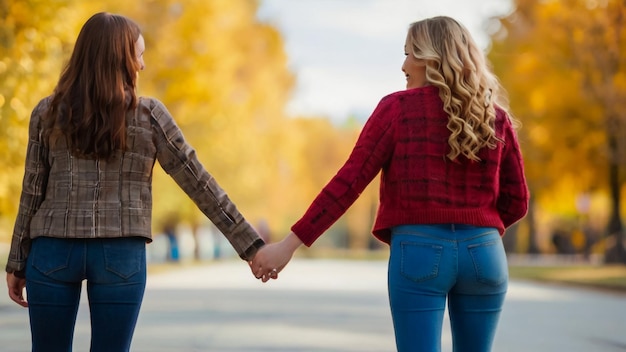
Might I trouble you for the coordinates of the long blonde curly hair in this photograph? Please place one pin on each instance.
(467, 87)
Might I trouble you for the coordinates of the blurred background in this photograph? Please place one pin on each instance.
(272, 94)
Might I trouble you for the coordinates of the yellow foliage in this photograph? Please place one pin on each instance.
(562, 64)
(539, 135)
(538, 101)
(550, 86)
(222, 74)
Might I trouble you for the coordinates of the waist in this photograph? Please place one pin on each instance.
(449, 227)
(442, 230)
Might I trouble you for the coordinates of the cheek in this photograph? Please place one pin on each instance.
(422, 71)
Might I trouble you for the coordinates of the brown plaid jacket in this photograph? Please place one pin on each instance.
(68, 197)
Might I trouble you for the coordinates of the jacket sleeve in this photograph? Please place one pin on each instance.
(33, 191)
(178, 159)
(513, 197)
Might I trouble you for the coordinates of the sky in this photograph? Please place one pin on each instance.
(347, 54)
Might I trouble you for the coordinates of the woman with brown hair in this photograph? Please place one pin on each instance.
(86, 204)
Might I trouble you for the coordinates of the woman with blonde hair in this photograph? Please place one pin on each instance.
(452, 181)
(86, 205)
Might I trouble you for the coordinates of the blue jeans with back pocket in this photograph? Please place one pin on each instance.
(115, 272)
(430, 265)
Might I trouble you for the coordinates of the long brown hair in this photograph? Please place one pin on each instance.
(97, 87)
(467, 86)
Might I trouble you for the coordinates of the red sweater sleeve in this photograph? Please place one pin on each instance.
(372, 149)
(512, 202)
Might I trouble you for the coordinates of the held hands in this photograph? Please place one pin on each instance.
(272, 258)
(16, 289)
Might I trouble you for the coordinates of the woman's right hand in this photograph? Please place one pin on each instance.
(272, 258)
(16, 289)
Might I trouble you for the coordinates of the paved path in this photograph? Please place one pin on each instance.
(329, 306)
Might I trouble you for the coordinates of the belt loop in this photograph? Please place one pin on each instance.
(452, 228)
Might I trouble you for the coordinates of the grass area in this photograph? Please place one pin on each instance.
(598, 276)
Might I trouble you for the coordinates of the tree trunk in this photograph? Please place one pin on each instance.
(533, 248)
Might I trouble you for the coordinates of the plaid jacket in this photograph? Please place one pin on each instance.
(68, 197)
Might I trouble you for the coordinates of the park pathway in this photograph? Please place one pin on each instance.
(329, 306)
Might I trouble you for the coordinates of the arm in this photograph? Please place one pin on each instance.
(33, 192)
(179, 160)
(513, 196)
(371, 152)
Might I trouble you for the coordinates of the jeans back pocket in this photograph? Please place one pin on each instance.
(124, 256)
(489, 263)
(420, 261)
(50, 255)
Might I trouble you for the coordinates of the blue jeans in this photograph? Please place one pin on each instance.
(115, 270)
(430, 264)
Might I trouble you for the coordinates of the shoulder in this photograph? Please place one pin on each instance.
(42, 106)
(422, 95)
(44, 103)
(410, 100)
(501, 113)
(156, 112)
(506, 126)
(155, 109)
(39, 111)
(152, 104)
(503, 119)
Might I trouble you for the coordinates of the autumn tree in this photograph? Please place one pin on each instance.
(32, 46)
(222, 74)
(220, 71)
(317, 149)
(562, 62)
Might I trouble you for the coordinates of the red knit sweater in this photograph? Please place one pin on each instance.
(406, 137)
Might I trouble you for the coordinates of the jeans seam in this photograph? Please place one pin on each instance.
(423, 235)
(483, 234)
(84, 273)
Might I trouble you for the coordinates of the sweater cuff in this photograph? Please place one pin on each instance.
(300, 230)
